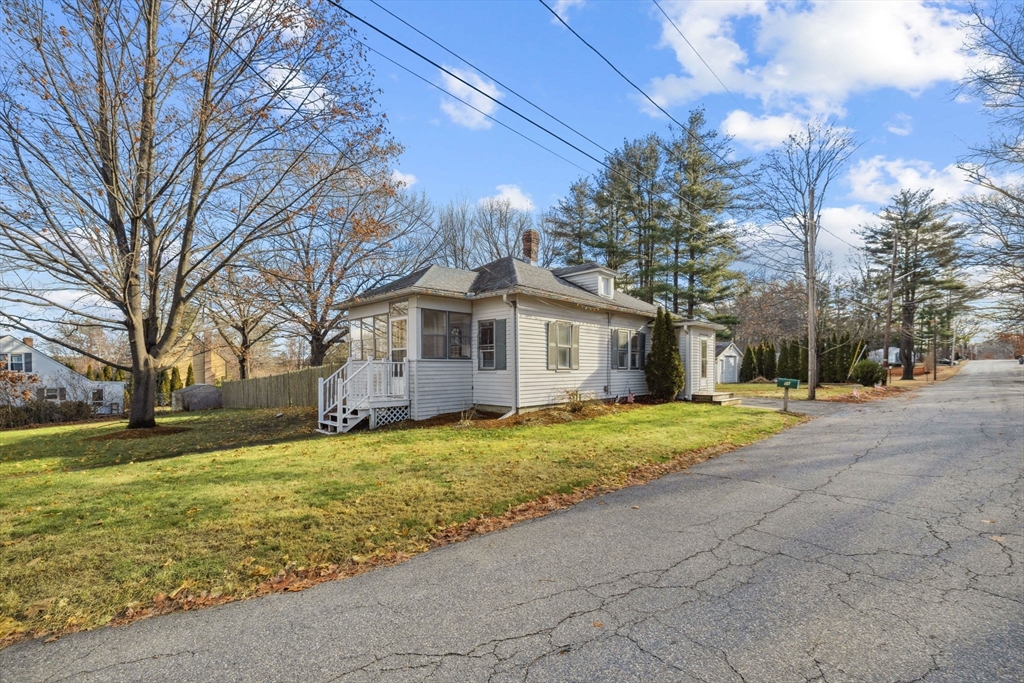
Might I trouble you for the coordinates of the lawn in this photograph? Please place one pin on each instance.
(769, 390)
(95, 529)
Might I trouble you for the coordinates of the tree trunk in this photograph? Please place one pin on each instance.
(144, 384)
(907, 342)
(317, 350)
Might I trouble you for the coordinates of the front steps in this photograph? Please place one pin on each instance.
(719, 398)
(330, 424)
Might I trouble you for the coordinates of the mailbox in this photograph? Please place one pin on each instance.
(787, 383)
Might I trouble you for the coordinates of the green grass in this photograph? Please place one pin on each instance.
(769, 390)
(89, 527)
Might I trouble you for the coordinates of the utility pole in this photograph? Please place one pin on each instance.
(888, 309)
(935, 353)
(812, 301)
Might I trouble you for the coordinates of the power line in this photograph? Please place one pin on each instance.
(652, 101)
(658, 5)
(496, 81)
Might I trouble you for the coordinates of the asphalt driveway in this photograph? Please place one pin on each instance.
(882, 542)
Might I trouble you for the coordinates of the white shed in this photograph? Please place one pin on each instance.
(728, 359)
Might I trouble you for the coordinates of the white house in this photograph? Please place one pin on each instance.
(505, 337)
(894, 355)
(58, 382)
(728, 359)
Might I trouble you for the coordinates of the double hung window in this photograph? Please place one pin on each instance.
(563, 346)
(628, 349)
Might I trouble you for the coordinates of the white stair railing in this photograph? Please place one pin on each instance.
(357, 384)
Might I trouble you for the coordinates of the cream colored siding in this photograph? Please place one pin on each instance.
(440, 386)
(540, 386)
(493, 387)
(587, 281)
(689, 351)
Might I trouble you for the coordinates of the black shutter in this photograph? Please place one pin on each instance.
(643, 349)
(499, 345)
(62, 394)
(41, 394)
(27, 359)
(613, 349)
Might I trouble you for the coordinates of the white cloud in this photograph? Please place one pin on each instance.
(839, 223)
(458, 112)
(515, 196)
(403, 179)
(902, 124)
(877, 179)
(810, 57)
(760, 132)
(563, 6)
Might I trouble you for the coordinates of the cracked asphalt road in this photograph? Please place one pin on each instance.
(880, 543)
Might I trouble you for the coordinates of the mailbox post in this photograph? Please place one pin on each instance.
(786, 384)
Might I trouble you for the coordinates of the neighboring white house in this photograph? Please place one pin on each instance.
(894, 355)
(504, 337)
(729, 357)
(58, 382)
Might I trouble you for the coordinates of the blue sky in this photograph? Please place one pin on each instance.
(886, 70)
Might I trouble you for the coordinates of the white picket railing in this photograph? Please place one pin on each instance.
(359, 382)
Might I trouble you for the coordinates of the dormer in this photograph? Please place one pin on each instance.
(592, 277)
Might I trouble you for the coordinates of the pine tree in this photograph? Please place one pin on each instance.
(664, 370)
(770, 364)
(783, 368)
(175, 379)
(700, 246)
(190, 376)
(108, 373)
(570, 225)
(748, 368)
(120, 376)
(928, 258)
(164, 384)
(89, 372)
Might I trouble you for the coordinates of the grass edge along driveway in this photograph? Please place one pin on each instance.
(96, 529)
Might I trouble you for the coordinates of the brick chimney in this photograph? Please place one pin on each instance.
(531, 246)
(29, 341)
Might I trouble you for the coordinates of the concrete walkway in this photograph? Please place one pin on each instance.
(880, 543)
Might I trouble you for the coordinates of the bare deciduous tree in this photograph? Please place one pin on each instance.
(364, 234)
(240, 305)
(794, 182)
(145, 145)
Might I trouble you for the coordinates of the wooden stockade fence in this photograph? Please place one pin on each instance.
(298, 388)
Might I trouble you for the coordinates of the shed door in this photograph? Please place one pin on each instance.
(729, 370)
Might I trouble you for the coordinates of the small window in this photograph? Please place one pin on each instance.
(703, 359)
(485, 344)
(51, 394)
(16, 363)
(97, 397)
(635, 352)
(605, 286)
(629, 349)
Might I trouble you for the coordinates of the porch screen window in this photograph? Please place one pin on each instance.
(445, 334)
(458, 335)
(703, 359)
(355, 340)
(435, 327)
(563, 346)
(380, 337)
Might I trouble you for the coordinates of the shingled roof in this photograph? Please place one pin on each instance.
(506, 275)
